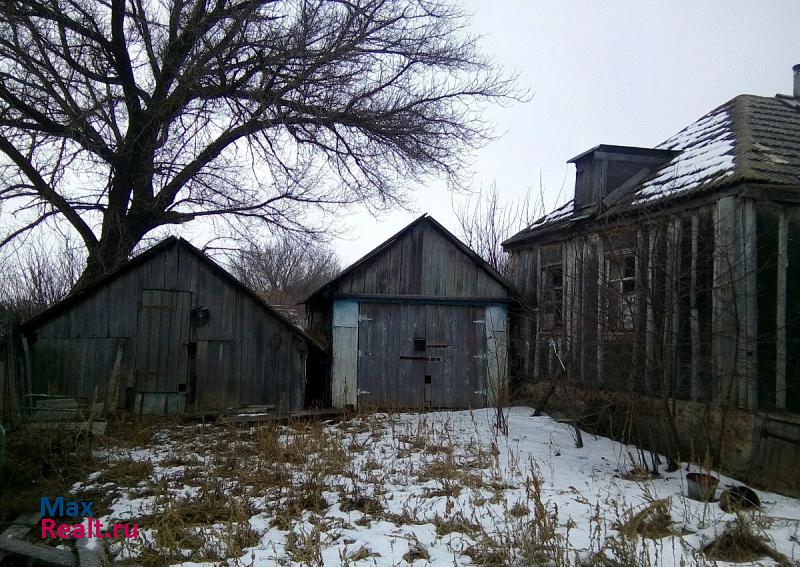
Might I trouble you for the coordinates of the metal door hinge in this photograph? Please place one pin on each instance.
(363, 392)
(361, 353)
(364, 318)
(480, 392)
(480, 321)
(481, 356)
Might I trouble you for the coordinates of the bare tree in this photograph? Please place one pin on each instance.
(123, 116)
(484, 222)
(286, 270)
(36, 276)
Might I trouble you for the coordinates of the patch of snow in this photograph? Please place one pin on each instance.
(707, 155)
(585, 488)
(560, 213)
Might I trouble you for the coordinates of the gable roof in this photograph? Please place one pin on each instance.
(749, 139)
(425, 218)
(140, 259)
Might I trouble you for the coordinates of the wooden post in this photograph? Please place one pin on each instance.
(748, 315)
(601, 301)
(693, 312)
(539, 275)
(650, 330)
(780, 319)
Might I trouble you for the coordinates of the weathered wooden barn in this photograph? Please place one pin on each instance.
(170, 331)
(418, 322)
(670, 275)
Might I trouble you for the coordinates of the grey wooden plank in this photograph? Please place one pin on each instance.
(89, 557)
(39, 553)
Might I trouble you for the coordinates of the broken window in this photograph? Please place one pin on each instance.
(552, 296)
(621, 292)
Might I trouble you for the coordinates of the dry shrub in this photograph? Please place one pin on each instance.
(127, 472)
(449, 471)
(740, 543)
(654, 521)
(305, 548)
(307, 497)
(41, 462)
(210, 527)
(361, 503)
(457, 523)
(360, 554)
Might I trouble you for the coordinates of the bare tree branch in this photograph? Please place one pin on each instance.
(128, 115)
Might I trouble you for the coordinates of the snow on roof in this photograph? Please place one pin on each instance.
(707, 156)
(749, 139)
(560, 213)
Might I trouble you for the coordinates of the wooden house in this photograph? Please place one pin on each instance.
(169, 331)
(418, 322)
(669, 275)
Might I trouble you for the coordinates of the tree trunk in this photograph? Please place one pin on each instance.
(111, 251)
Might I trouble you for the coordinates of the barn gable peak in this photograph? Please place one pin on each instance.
(424, 258)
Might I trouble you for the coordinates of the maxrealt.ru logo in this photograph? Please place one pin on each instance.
(89, 528)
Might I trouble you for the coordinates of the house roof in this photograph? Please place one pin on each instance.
(749, 139)
(425, 218)
(140, 259)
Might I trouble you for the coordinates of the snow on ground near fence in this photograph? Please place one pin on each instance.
(437, 489)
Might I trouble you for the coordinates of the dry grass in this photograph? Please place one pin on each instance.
(210, 485)
(41, 462)
(741, 543)
(456, 523)
(127, 472)
(654, 521)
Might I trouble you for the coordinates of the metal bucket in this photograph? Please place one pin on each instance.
(701, 486)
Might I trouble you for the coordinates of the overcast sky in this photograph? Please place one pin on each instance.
(612, 72)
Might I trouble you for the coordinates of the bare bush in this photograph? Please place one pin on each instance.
(286, 269)
(485, 222)
(36, 276)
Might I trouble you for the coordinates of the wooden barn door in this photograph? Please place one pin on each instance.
(456, 348)
(389, 376)
(416, 355)
(161, 364)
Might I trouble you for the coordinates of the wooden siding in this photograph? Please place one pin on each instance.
(243, 355)
(344, 346)
(496, 324)
(422, 263)
(705, 317)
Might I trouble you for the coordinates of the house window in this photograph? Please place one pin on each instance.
(552, 296)
(621, 292)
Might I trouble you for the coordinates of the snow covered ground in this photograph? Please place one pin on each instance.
(438, 489)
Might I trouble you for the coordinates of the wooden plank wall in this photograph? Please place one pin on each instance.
(259, 363)
(669, 349)
(423, 262)
(13, 374)
(344, 348)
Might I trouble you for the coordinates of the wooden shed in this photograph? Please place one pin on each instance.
(169, 331)
(420, 321)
